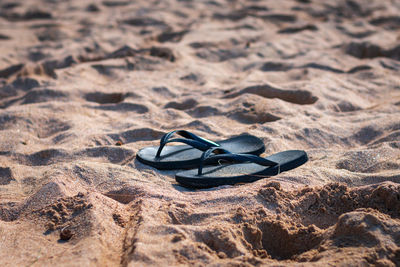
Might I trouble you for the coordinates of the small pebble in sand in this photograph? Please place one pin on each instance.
(118, 143)
(51, 226)
(66, 234)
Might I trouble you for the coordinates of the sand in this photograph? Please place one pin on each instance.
(85, 84)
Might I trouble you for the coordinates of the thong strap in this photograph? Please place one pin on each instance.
(189, 139)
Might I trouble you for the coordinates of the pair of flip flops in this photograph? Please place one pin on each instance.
(225, 162)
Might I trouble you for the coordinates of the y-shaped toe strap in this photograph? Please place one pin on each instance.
(216, 153)
(189, 139)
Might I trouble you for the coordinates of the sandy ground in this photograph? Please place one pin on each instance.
(85, 84)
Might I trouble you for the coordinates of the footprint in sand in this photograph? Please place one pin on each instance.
(301, 97)
(186, 104)
(364, 50)
(105, 98)
(6, 176)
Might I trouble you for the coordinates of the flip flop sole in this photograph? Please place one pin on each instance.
(242, 172)
(187, 157)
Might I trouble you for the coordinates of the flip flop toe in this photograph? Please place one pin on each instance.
(165, 157)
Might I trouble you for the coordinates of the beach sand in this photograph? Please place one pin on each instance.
(85, 84)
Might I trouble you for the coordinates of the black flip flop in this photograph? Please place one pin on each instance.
(188, 156)
(249, 169)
